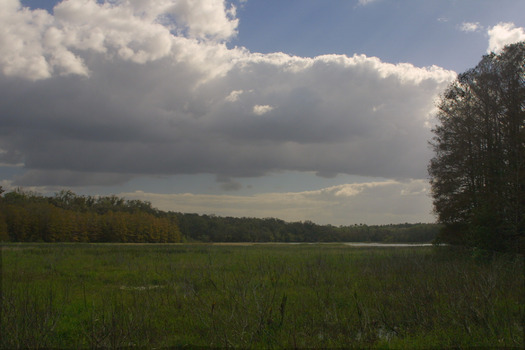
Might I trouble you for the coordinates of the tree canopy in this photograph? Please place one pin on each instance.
(477, 174)
(211, 228)
(67, 217)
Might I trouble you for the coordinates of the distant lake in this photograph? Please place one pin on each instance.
(365, 244)
(351, 244)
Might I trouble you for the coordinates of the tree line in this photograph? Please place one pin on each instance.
(478, 171)
(67, 217)
(211, 228)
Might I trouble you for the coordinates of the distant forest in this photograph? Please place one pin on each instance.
(210, 228)
(67, 217)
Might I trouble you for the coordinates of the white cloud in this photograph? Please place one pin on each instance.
(234, 95)
(113, 29)
(470, 27)
(206, 19)
(339, 205)
(504, 34)
(37, 45)
(21, 50)
(261, 109)
(366, 2)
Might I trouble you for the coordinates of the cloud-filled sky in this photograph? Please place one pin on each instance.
(300, 109)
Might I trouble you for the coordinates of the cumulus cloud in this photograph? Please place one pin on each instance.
(338, 205)
(125, 89)
(504, 34)
(37, 45)
(206, 19)
(21, 36)
(470, 27)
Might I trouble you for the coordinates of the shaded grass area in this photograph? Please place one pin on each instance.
(260, 296)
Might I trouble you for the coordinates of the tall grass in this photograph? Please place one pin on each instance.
(263, 296)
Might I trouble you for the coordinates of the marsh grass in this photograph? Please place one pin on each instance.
(259, 296)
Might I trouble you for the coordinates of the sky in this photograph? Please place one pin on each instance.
(299, 109)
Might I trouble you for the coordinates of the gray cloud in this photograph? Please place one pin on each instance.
(67, 178)
(195, 106)
(228, 184)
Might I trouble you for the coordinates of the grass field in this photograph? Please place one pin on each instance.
(258, 296)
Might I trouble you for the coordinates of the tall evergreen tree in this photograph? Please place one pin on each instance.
(478, 171)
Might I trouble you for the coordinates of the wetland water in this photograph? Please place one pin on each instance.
(392, 245)
(351, 244)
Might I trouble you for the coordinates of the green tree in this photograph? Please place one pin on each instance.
(4, 236)
(477, 174)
